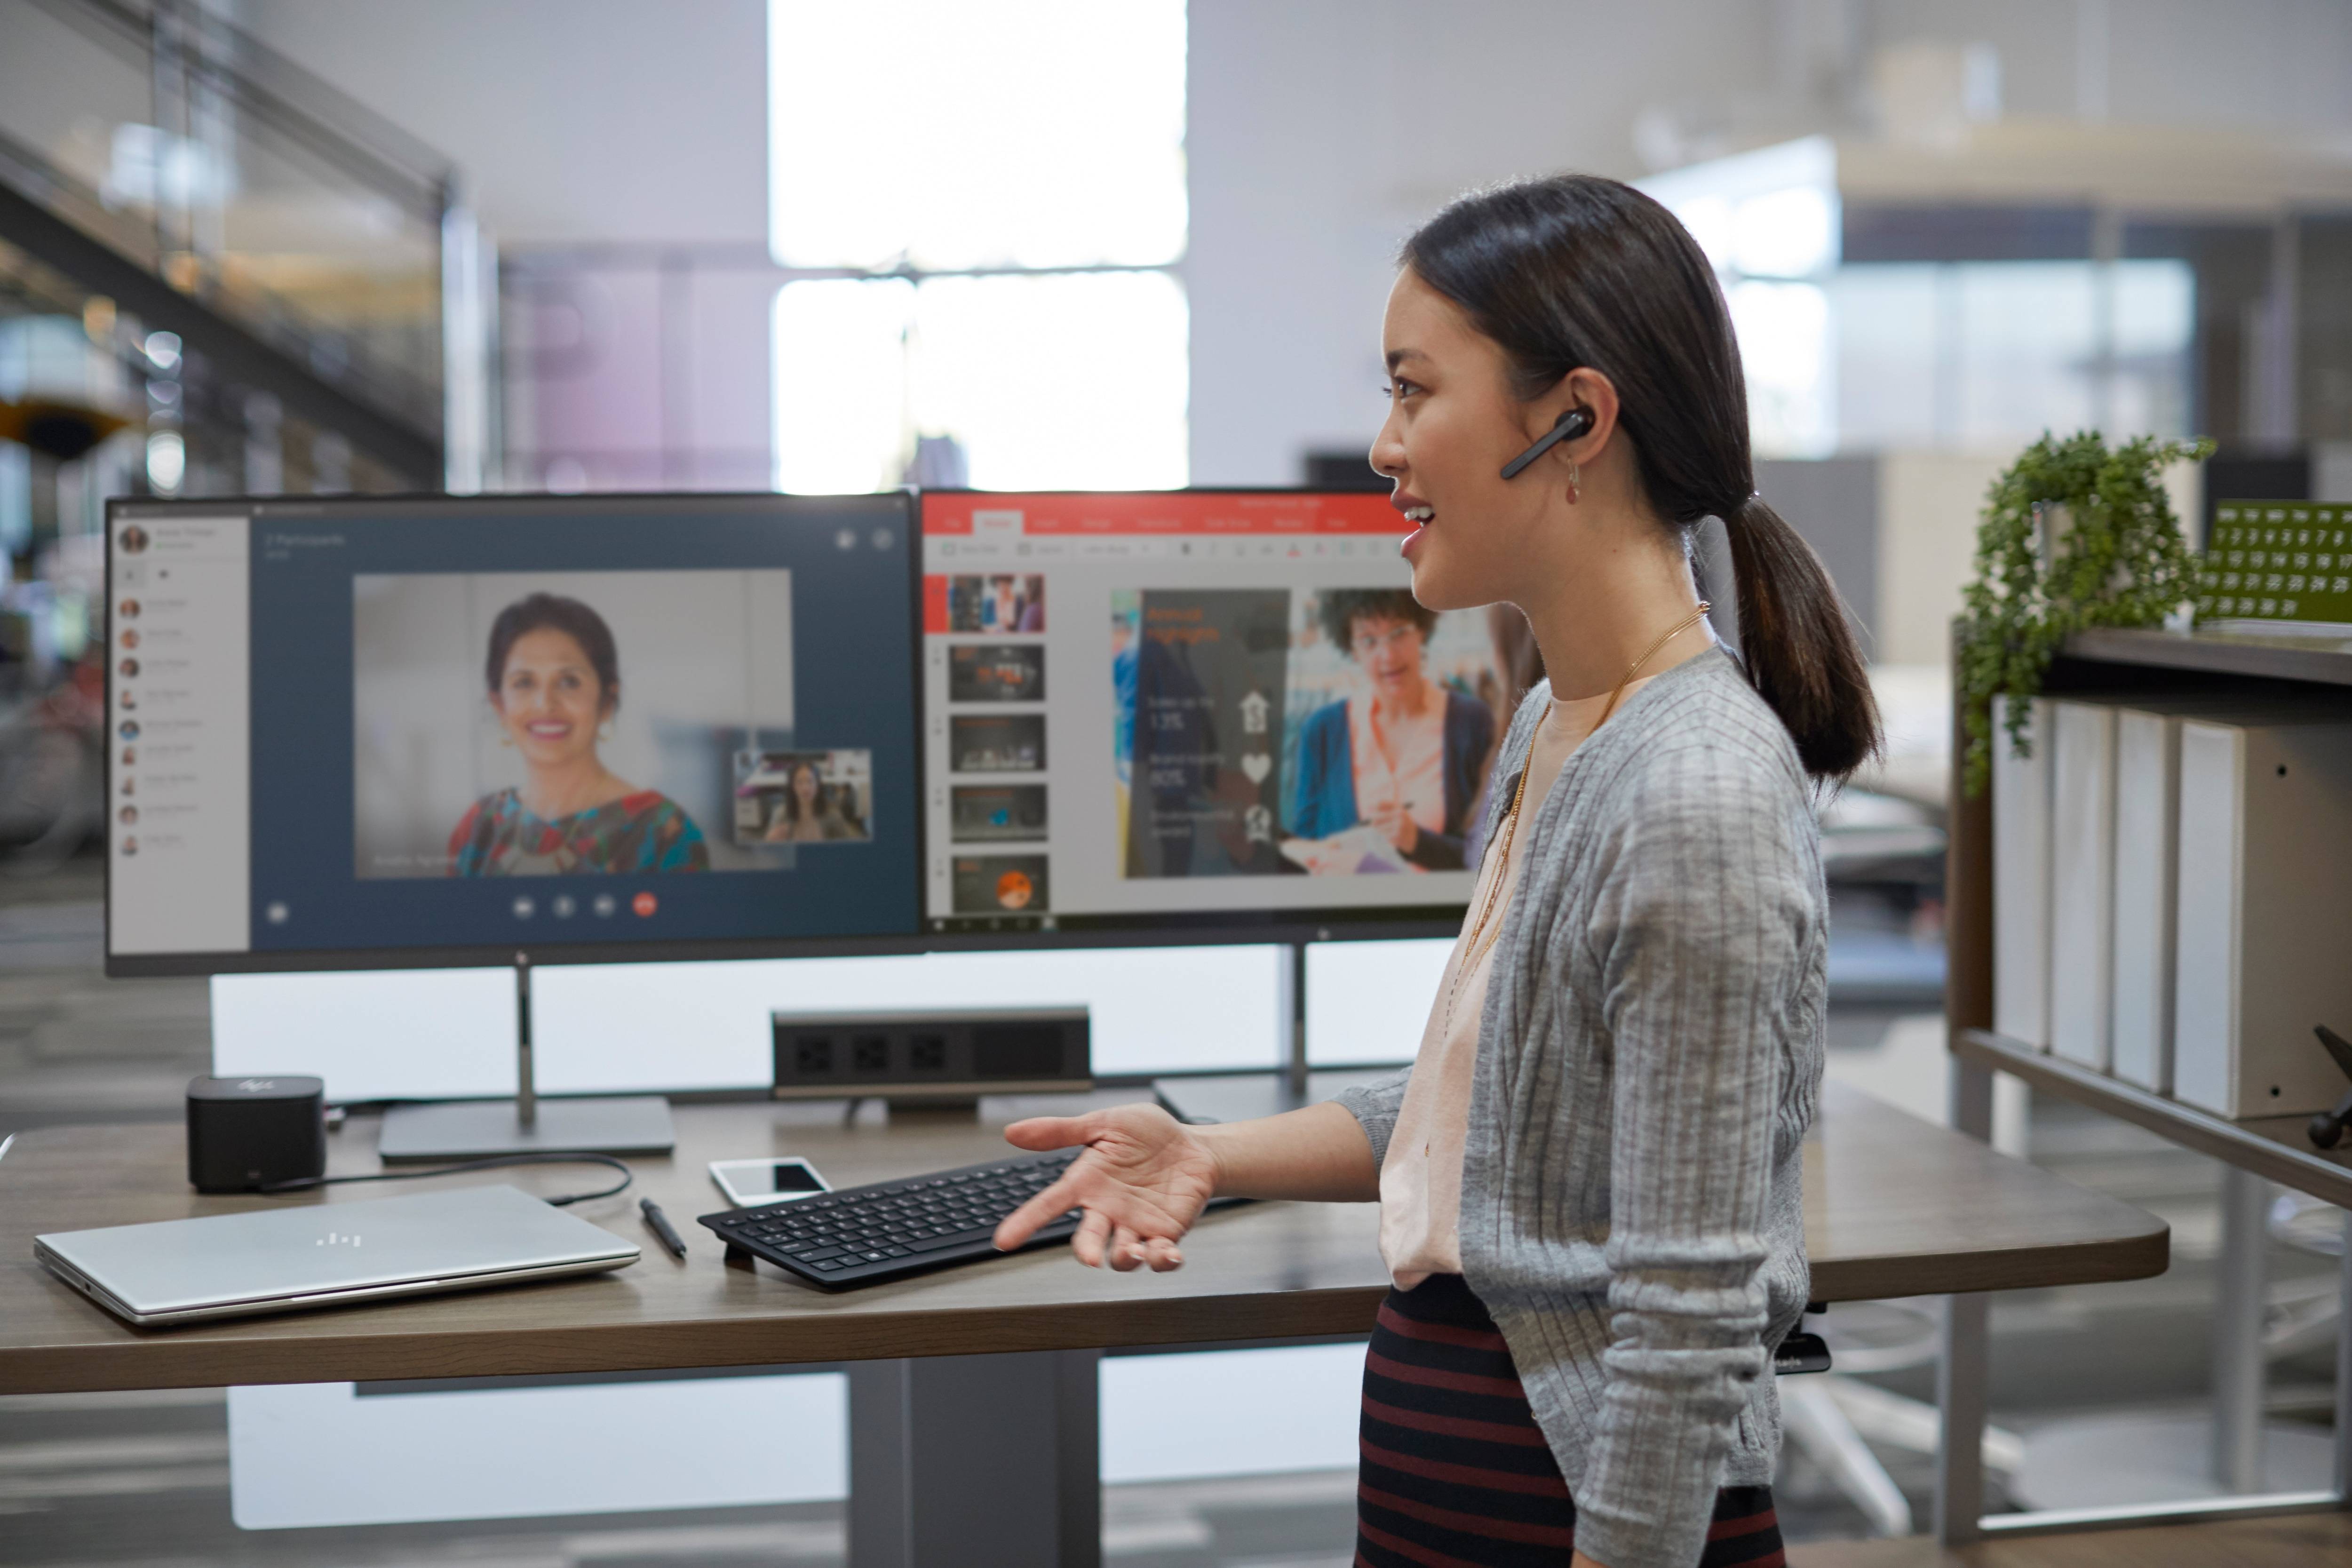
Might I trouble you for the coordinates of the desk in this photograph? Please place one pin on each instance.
(1893, 1207)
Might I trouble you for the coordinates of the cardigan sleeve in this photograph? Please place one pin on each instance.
(1375, 1106)
(1699, 930)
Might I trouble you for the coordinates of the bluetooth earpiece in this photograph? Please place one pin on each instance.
(1570, 426)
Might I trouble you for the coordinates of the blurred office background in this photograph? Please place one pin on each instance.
(316, 246)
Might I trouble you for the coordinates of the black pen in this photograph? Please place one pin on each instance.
(659, 1222)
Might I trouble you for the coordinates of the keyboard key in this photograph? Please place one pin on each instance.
(952, 1239)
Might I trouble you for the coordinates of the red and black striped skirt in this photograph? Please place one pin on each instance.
(1454, 1470)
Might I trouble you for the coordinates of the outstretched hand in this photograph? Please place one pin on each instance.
(1143, 1180)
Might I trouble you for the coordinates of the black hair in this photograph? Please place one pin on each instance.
(791, 802)
(1342, 608)
(1576, 271)
(553, 611)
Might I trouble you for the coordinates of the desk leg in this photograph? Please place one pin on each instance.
(2238, 1293)
(1964, 1366)
(1962, 1373)
(975, 1461)
(2344, 1372)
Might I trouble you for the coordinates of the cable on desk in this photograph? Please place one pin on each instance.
(496, 1161)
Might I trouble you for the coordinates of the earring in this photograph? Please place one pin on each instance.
(504, 738)
(1575, 482)
(604, 731)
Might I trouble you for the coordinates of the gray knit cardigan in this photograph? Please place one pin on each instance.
(1649, 1059)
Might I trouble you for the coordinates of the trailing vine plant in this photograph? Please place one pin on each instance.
(2073, 535)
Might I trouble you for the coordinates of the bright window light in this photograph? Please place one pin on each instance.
(1059, 381)
(1979, 355)
(167, 461)
(1784, 342)
(1064, 381)
(840, 380)
(948, 135)
(1787, 233)
(1710, 221)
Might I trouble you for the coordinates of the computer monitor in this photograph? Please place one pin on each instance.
(1205, 714)
(429, 732)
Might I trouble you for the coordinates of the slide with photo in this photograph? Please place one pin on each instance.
(1251, 718)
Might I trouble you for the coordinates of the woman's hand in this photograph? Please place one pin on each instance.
(1397, 825)
(1144, 1179)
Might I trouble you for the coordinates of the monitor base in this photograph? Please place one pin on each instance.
(479, 1129)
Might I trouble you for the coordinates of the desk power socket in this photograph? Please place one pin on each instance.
(919, 1055)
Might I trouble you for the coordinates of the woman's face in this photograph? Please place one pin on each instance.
(804, 784)
(1452, 423)
(1388, 650)
(550, 698)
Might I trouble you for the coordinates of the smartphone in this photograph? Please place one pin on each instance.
(753, 1183)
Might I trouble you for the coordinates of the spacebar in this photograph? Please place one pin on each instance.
(933, 1243)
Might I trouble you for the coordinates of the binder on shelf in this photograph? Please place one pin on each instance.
(2081, 881)
(2263, 901)
(2021, 878)
(2147, 844)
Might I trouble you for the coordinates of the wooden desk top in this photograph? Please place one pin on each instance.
(1893, 1207)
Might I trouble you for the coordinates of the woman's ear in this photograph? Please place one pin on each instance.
(1588, 389)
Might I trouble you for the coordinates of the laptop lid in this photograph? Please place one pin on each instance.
(271, 1255)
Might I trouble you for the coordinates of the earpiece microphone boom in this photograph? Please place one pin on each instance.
(1570, 426)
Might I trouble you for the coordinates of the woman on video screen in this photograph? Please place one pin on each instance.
(555, 681)
(1405, 760)
(807, 812)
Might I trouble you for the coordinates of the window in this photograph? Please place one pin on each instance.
(978, 208)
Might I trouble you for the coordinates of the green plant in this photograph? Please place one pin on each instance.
(2073, 535)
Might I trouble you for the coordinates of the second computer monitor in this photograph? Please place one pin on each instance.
(1194, 709)
(445, 730)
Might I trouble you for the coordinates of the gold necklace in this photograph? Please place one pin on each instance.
(1518, 798)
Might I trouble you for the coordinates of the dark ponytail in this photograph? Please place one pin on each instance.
(1797, 643)
(1575, 271)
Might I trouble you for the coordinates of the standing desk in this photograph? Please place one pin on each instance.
(973, 1425)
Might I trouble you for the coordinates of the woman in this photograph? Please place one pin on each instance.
(805, 812)
(1403, 756)
(555, 682)
(1590, 1178)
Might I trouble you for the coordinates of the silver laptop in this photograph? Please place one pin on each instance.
(325, 1255)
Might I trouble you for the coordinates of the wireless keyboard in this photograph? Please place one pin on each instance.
(862, 1236)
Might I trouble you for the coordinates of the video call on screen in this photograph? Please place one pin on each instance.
(537, 724)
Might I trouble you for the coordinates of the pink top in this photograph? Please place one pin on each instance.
(1420, 1180)
(1399, 762)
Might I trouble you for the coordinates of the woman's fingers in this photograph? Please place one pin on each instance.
(1162, 1255)
(1015, 1229)
(1126, 1249)
(1087, 1243)
(1052, 1132)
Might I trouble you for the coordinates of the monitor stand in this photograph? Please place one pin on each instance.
(480, 1128)
(1245, 1096)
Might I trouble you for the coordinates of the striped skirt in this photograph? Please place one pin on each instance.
(1454, 1470)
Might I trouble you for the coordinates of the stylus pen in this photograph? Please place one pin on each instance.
(659, 1222)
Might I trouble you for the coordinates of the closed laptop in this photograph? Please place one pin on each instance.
(324, 1255)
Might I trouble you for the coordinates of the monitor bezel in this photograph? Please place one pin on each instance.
(1205, 928)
